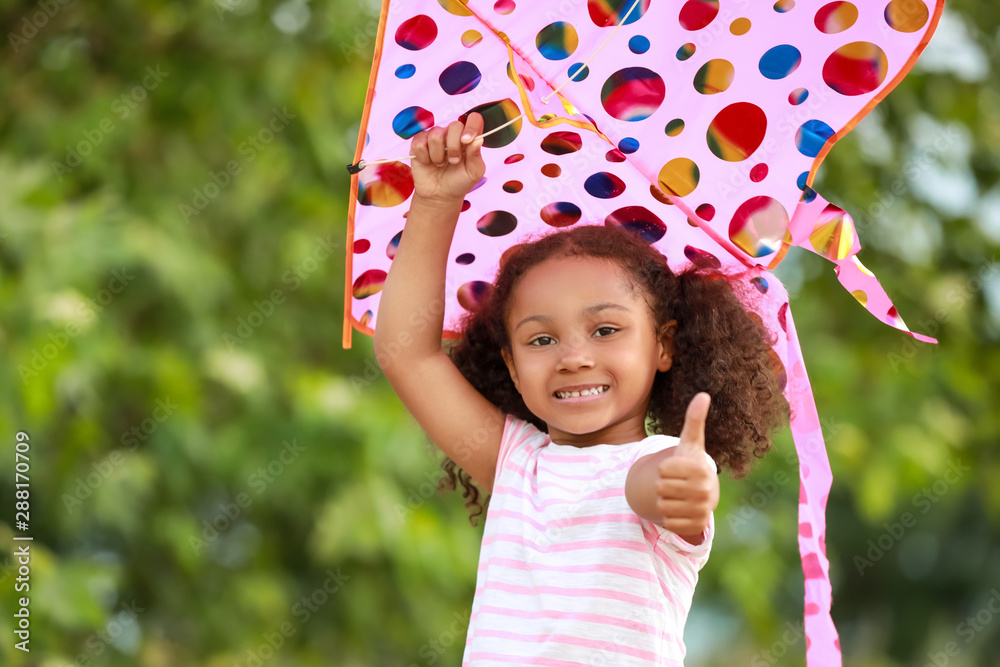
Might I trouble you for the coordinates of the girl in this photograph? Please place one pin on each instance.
(595, 531)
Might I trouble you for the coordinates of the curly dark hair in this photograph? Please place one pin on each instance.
(719, 348)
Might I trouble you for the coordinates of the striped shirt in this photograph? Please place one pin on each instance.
(569, 574)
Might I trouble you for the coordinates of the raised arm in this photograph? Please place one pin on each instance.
(408, 330)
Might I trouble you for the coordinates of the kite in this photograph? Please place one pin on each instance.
(698, 124)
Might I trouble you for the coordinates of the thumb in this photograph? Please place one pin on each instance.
(693, 434)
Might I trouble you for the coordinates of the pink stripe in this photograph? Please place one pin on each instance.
(597, 567)
(570, 458)
(621, 570)
(629, 518)
(570, 592)
(518, 493)
(522, 660)
(566, 546)
(600, 619)
(595, 644)
(652, 538)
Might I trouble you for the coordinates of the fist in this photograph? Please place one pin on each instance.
(688, 489)
(446, 162)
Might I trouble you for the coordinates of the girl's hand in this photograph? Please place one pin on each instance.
(447, 162)
(688, 489)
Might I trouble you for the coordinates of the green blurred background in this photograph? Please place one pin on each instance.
(213, 475)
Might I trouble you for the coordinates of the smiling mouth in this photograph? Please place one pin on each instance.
(594, 391)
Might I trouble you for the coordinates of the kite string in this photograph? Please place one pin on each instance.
(580, 69)
(355, 168)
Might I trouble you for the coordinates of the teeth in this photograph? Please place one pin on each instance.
(585, 392)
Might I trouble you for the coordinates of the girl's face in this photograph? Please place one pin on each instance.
(575, 325)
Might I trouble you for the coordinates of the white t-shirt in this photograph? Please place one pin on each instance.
(569, 574)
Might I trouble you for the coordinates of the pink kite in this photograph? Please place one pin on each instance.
(698, 125)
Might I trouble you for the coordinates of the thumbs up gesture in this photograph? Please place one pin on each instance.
(688, 489)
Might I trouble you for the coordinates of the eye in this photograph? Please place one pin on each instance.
(608, 330)
(537, 342)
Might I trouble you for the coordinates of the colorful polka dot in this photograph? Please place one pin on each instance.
(798, 96)
(411, 121)
(614, 155)
(638, 220)
(638, 44)
(513, 187)
(578, 72)
(740, 26)
(405, 71)
(561, 214)
(715, 76)
(416, 33)
(780, 61)
(368, 283)
(390, 249)
(701, 258)
(471, 37)
(737, 131)
(496, 223)
(906, 15)
(460, 77)
(679, 177)
(686, 51)
(758, 226)
(557, 41)
(494, 115)
(784, 6)
(609, 13)
(561, 143)
(512, 159)
(604, 185)
(697, 14)
(473, 295)
(833, 235)
(465, 258)
(674, 127)
(758, 173)
(857, 68)
(706, 212)
(551, 170)
(633, 94)
(628, 145)
(812, 136)
(836, 17)
(385, 185)
(361, 246)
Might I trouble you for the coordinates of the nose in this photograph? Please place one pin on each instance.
(575, 355)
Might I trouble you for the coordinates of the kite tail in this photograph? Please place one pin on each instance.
(829, 231)
(815, 477)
